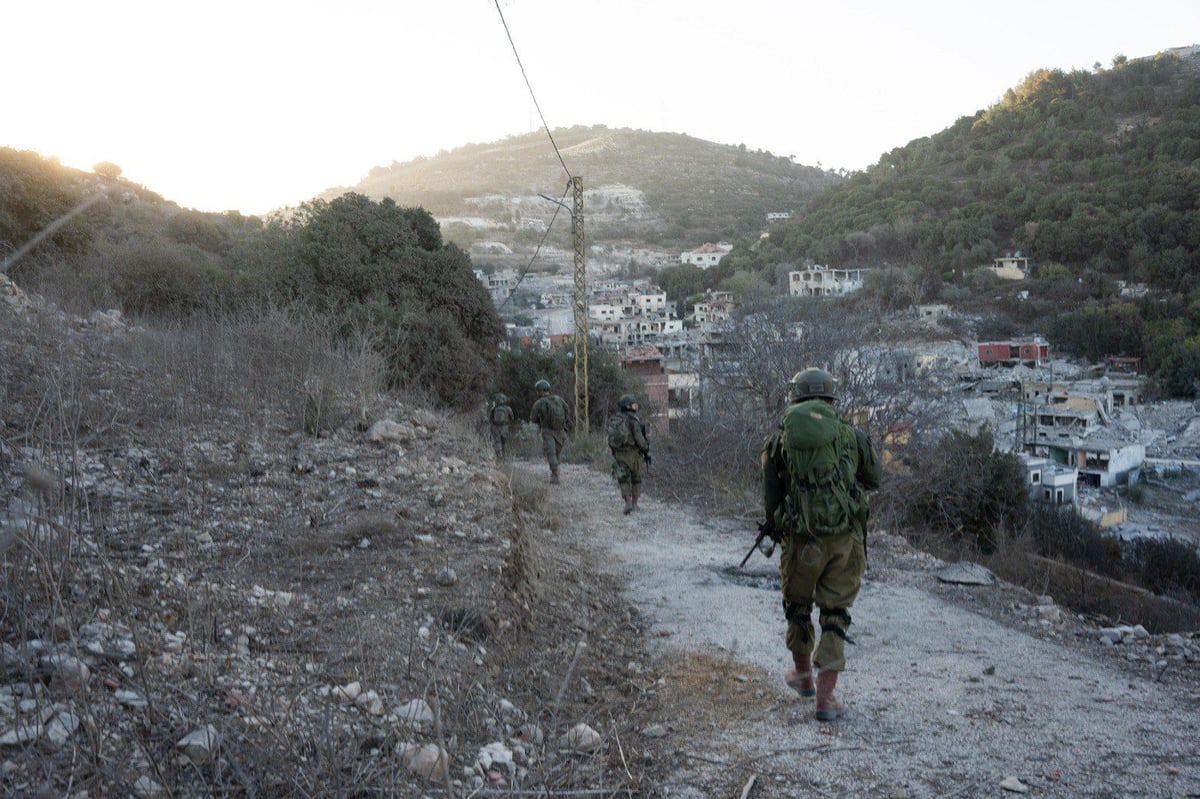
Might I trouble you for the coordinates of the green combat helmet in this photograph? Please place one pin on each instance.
(542, 385)
(501, 399)
(812, 383)
(626, 402)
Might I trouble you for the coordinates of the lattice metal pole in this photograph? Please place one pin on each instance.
(581, 312)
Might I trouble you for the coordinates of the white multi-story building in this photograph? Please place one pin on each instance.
(604, 311)
(716, 307)
(649, 299)
(706, 255)
(498, 284)
(824, 281)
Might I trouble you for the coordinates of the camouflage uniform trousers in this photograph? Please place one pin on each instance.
(827, 572)
(627, 469)
(499, 440)
(552, 445)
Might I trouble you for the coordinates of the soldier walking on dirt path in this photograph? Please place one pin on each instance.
(630, 450)
(816, 470)
(499, 419)
(550, 414)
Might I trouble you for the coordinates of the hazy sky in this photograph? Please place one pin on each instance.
(257, 104)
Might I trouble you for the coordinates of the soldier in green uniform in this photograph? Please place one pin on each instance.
(550, 414)
(499, 419)
(816, 470)
(630, 449)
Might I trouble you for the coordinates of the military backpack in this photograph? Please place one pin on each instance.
(501, 415)
(556, 412)
(822, 461)
(620, 435)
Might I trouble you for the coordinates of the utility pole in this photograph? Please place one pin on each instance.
(581, 311)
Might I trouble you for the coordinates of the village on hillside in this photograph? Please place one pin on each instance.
(1082, 431)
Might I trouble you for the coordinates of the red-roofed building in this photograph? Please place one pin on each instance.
(646, 362)
(706, 255)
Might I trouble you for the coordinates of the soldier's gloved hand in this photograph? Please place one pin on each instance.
(646, 458)
(768, 527)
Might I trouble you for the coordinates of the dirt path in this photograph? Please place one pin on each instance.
(943, 700)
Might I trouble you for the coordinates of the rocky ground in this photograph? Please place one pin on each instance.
(199, 598)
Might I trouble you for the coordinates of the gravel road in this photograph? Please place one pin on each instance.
(943, 699)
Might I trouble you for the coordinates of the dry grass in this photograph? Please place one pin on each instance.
(269, 366)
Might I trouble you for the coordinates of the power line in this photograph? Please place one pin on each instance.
(537, 250)
(529, 86)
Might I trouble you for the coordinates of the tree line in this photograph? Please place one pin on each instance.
(378, 272)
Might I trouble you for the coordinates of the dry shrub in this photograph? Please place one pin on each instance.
(587, 448)
(1062, 554)
(1164, 566)
(712, 463)
(267, 363)
(1063, 534)
(530, 493)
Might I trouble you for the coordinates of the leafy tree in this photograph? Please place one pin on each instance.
(107, 170)
(198, 229)
(521, 367)
(383, 270)
(682, 281)
(960, 486)
(34, 193)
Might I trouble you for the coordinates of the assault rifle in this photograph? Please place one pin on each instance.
(765, 530)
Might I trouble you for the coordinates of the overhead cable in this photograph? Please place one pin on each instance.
(530, 87)
(538, 249)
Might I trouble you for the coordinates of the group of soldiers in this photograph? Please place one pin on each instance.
(815, 471)
(549, 413)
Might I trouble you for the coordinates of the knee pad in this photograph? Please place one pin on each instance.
(836, 621)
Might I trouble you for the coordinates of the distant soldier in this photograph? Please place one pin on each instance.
(499, 419)
(816, 470)
(550, 415)
(630, 449)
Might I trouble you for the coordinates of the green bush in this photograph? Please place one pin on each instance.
(960, 486)
(384, 273)
(155, 279)
(521, 367)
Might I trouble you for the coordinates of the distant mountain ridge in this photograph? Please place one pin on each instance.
(661, 188)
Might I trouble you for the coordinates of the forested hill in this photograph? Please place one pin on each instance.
(662, 188)
(1096, 171)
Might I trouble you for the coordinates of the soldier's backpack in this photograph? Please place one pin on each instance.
(619, 434)
(557, 408)
(501, 415)
(822, 461)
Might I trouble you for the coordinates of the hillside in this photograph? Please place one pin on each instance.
(1096, 171)
(201, 599)
(658, 188)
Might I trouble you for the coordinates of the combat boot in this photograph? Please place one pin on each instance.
(828, 708)
(553, 474)
(635, 499)
(628, 505)
(800, 679)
